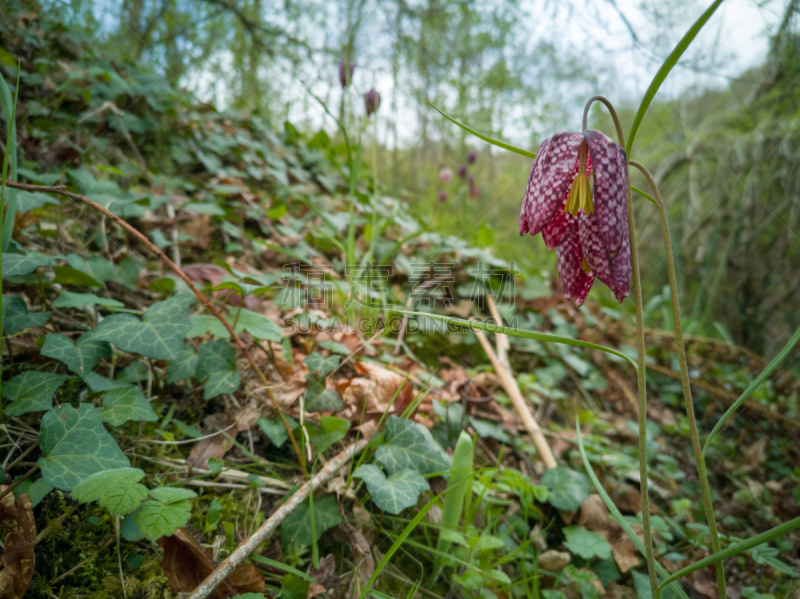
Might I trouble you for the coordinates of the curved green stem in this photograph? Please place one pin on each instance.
(641, 371)
(684, 368)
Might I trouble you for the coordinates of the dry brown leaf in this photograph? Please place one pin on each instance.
(315, 589)
(625, 552)
(216, 446)
(617, 591)
(324, 575)
(186, 564)
(628, 499)
(554, 561)
(593, 512)
(16, 517)
(386, 385)
(363, 562)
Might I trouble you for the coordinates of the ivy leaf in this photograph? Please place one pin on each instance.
(297, 525)
(80, 357)
(275, 430)
(159, 335)
(567, 488)
(97, 267)
(122, 404)
(258, 325)
(330, 430)
(98, 383)
(32, 391)
(324, 366)
(157, 519)
(68, 299)
(216, 366)
(396, 493)
(206, 324)
(117, 490)
(171, 494)
(182, 367)
(36, 490)
(585, 543)
(66, 275)
(410, 445)
(129, 530)
(76, 445)
(17, 264)
(319, 399)
(334, 347)
(17, 318)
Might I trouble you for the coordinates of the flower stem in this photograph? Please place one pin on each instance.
(687, 390)
(641, 374)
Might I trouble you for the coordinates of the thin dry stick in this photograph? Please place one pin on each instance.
(61, 190)
(19, 481)
(510, 385)
(503, 345)
(246, 547)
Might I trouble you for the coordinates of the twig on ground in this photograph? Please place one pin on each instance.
(62, 190)
(221, 572)
(19, 481)
(510, 385)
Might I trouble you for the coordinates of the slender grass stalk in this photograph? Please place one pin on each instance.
(684, 368)
(641, 371)
(752, 387)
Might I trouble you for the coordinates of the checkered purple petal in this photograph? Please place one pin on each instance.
(610, 189)
(575, 281)
(551, 176)
(614, 272)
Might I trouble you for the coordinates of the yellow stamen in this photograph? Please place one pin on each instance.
(585, 266)
(580, 194)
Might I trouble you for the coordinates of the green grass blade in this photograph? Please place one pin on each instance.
(398, 542)
(485, 138)
(9, 106)
(280, 566)
(764, 537)
(665, 69)
(752, 387)
(617, 514)
(546, 337)
(645, 195)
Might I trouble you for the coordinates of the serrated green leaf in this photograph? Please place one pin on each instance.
(408, 444)
(157, 519)
(567, 488)
(17, 264)
(585, 543)
(75, 445)
(17, 318)
(159, 335)
(122, 404)
(396, 493)
(319, 364)
(68, 299)
(81, 356)
(66, 275)
(172, 494)
(117, 490)
(182, 367)
(297, 525)
(275, 430)
(32, 391)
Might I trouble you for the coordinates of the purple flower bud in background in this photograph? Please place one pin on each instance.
(474, 192)
(372, 100)
(344, 77)
(472, 157)
(446, 175)
(462, 171)
(442, 196)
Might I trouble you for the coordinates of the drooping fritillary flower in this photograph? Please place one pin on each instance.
(372, 100)
(472, 157)
(462, 171)
(346, 70)
(589, 230)
(442, 196)
(446, 175)
(474, 192)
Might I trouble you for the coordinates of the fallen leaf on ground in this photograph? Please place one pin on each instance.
(186, 564)
(16, 517)
(324, 575)
(363, 562)
(624, 551)
(593, 512)
(386, 385)
(554, 561)
(215, 446)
